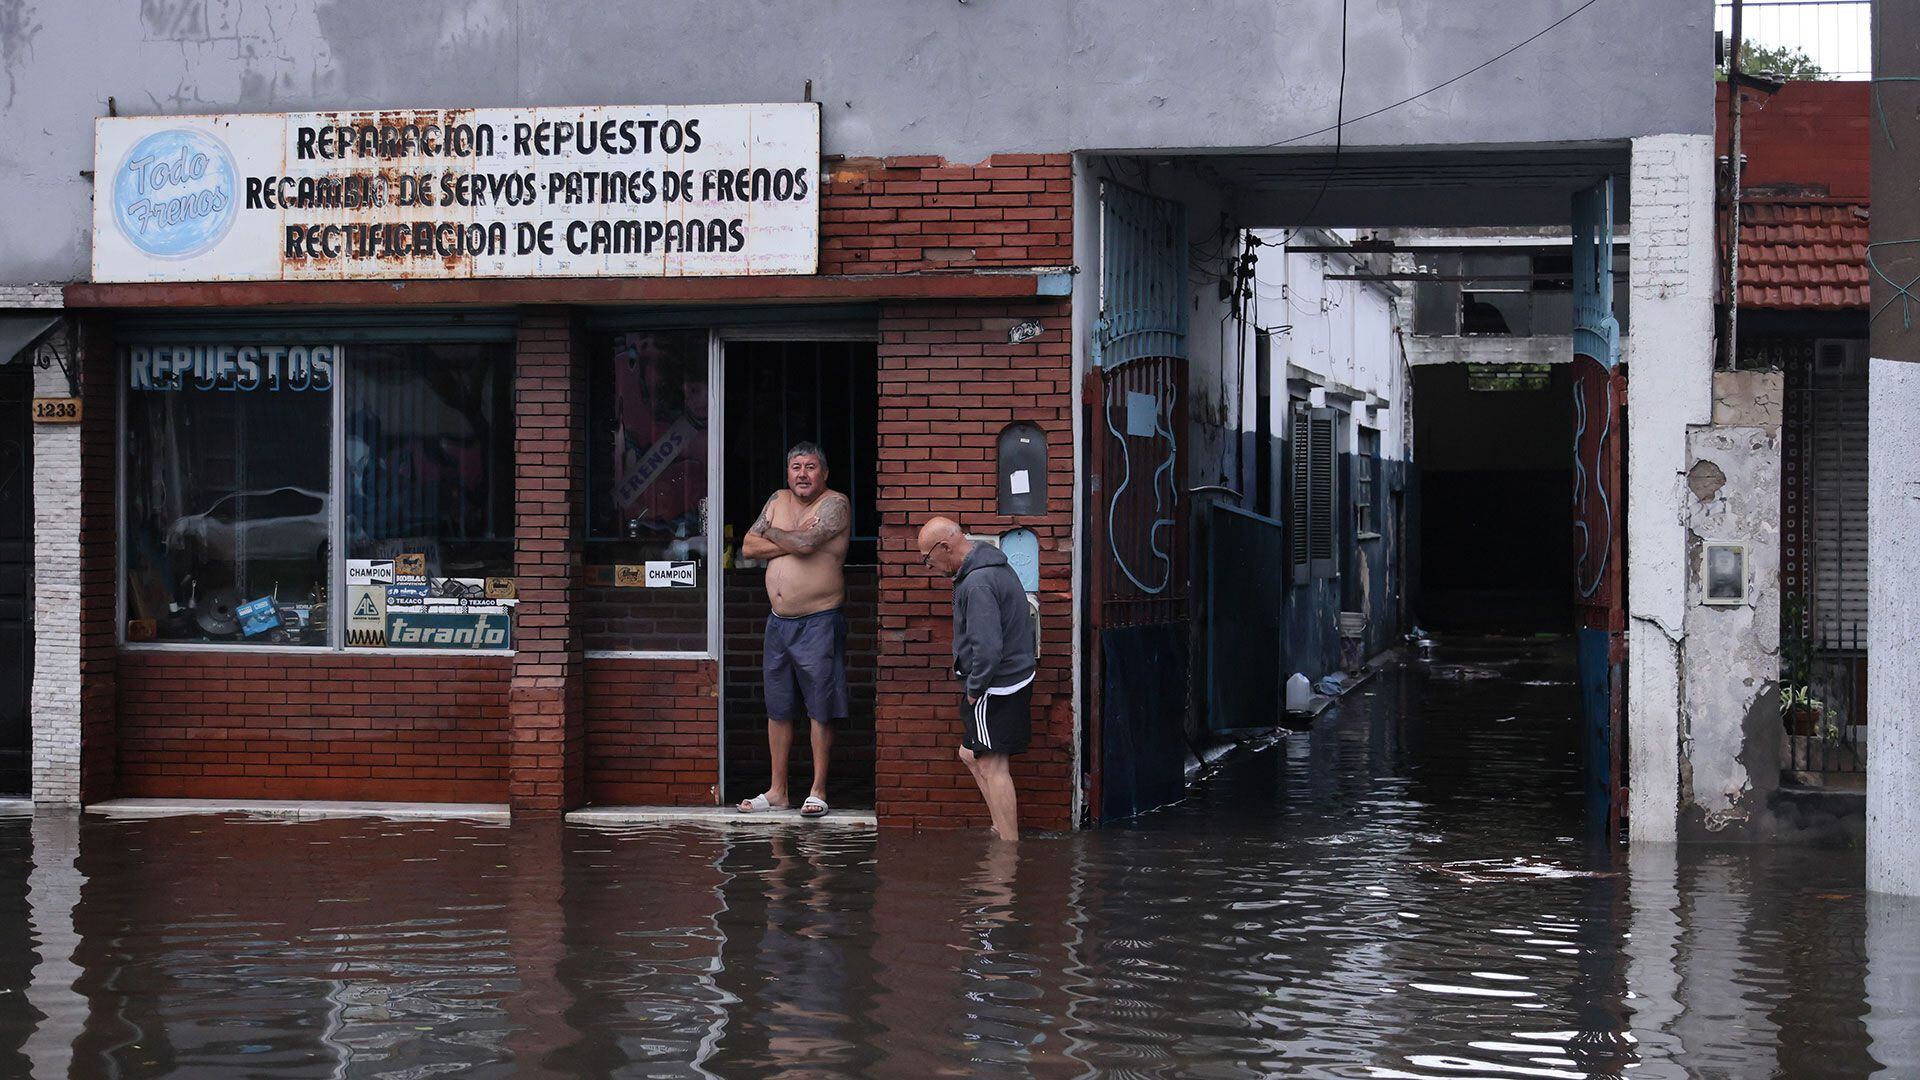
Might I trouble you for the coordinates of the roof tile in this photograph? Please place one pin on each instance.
(1799, 255)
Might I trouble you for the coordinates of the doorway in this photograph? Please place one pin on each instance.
(779, 392)
(16, 567)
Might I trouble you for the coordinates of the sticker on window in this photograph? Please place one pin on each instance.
(672, 575)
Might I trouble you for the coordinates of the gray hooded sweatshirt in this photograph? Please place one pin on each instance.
(992, 629)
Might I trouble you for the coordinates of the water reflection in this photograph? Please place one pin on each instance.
(1399, 893)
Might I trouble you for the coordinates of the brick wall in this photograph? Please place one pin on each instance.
(549, 477)
(949, 382)
(99, 653)
(652, 732)
(912, 214)
(321, 725)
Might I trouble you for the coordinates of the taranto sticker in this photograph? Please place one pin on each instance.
(444, 630)
(672, 575)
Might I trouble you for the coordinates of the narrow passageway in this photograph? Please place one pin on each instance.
(1404, 890)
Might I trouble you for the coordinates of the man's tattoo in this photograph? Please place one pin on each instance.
(765, 522)
(829, 520)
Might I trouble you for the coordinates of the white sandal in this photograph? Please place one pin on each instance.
(813, 806)
(759, 805)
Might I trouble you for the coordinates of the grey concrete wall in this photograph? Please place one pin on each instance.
(958, 79)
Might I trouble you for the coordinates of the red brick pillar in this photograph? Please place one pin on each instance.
(950, 380)
(99, 373)
(546, 700)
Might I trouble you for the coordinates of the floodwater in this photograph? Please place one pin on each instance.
(1401, 892)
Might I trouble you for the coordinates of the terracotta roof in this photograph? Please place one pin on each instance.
(1801, 255)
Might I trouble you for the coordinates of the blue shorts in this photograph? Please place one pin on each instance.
(805, 667)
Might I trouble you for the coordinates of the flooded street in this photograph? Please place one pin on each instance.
(1401, 892)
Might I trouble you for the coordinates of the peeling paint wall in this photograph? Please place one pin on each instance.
(1731, 730)
(960, 80)
(1670, 365)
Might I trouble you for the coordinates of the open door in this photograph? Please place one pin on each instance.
(1599, 508)
(782, 390)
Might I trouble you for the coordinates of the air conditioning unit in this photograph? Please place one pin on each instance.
(1839, 356)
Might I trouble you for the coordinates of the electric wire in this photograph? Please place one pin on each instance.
(1489, 62)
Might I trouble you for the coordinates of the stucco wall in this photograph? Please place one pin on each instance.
(956, 79)
(1731, 735)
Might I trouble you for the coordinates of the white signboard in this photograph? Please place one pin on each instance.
(673, 575)
(606, 191)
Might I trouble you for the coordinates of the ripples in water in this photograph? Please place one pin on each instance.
(1394, 894)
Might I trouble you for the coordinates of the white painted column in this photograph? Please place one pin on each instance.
(1670, 386)
(1893, 627)
(55, 698)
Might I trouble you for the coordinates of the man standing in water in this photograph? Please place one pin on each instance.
(803, 535)
(993, 657)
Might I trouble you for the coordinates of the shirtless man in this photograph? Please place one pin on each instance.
(803, 534)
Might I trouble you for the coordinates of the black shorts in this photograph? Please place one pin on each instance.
(998, 723)
(805, 667)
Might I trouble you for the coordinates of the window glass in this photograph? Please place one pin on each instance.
(227, 492)
(429, 482)
(647, 562)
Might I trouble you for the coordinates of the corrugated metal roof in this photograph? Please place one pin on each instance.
(1800, 255)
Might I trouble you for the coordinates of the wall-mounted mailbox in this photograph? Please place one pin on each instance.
(1022, 550)
(1023, 470)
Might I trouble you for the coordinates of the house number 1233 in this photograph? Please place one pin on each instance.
(56, 410)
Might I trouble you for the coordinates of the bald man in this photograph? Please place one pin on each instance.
(992, 656)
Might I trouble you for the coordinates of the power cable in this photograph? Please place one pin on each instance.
(1339, 130)
(1489, 62)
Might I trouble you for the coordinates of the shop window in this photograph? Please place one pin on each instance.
(428, 473)
(648, 572)
(228, 493)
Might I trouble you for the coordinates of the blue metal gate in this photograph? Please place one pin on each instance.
(1138, 588)
(1599, 443)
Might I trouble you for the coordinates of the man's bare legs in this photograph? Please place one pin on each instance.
(990, 772)
(822, 750)
(779, 745)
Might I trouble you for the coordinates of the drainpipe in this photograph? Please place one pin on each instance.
(1733, 193)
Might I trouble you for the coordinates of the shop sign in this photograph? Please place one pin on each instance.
(448, 630)
(596, 191)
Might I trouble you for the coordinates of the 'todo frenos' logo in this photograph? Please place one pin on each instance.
(174, 195)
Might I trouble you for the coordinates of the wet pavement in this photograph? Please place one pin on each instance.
(1404, 891)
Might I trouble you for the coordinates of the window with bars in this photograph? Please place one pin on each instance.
(1311, 492)
(1366, 465)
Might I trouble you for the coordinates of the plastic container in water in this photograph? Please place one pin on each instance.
(1299, 693)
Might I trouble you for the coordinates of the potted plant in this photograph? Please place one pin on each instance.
(1801, 710)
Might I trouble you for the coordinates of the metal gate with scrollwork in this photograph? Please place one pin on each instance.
(1599, 507)
(1136, 423)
